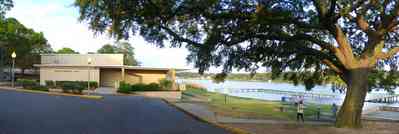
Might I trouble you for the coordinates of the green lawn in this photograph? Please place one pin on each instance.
(253, 108)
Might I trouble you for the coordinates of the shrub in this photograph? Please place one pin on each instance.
(124, 87)
(50, 84)
(153, 87)
(145, 87)
(39, 88)
(165, 84)
(127, 88)
(83, 84)
(75, 87)
(138, 87)
(26, 83)
(93, 84)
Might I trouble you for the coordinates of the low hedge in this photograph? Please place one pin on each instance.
(59, 84)
(27, 83)
(124, 87)
(127, 88)
(40, 88)
(51, 84)
(75, 87)
(31, 85)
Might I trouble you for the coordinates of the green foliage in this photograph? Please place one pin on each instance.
(31, 85)
(67, 50)
(219, 78)
(27, 83)
(154, 86)
(72, 87)
(39, 88)
(50, 84)
(248, 35)
(124, 48)
(75, 86)
(127, 88)
(93, 85)
(107, 49)
(27, 43)
(5, 5)
(124, 87)
(165, 84)
(138, 87)
(146, 87)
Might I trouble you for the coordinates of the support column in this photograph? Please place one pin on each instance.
(172, 76)
(123, 74)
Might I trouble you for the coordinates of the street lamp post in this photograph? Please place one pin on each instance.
(13, 56)
(88, 75)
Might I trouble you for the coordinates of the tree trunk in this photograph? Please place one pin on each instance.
(350, 113)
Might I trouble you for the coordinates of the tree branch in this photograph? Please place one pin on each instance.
(389, 21)
(345, 53)
(389, 54)
(362, 23)
(178, 37)
(335, 68)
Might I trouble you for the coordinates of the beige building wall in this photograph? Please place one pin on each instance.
(110, 77)
(69, 74)
(132, 78)
(149, 76)
(81, 59)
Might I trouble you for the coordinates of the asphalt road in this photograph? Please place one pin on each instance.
(28, 113)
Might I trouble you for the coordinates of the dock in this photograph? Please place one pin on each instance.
(386, 98)
(291, 93)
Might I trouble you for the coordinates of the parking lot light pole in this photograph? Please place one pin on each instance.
(13, 56)
(88, 75)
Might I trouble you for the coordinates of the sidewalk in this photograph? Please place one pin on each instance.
(203, 112)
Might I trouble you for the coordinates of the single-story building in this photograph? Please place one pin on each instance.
(106, 69)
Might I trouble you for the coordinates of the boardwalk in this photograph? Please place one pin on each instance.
(291, 93)
(384, 98)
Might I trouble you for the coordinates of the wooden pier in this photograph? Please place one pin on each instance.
(394, 98)
(290, 93)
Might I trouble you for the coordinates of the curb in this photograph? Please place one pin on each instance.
(94, 97)
(195, 117)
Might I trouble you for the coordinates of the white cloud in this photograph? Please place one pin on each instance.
(58, 22)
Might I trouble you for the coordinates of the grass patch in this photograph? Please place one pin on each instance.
(254, 108)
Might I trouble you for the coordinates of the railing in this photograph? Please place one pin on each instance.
(293, 93)
(385, 98)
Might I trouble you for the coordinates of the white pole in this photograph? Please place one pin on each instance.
(88, 75)
(88, 80)
(13, 73)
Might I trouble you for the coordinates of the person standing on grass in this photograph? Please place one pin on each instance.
(334, 109)
(299, 114)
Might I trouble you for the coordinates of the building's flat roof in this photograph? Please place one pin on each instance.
(111, 66)
(79, 54)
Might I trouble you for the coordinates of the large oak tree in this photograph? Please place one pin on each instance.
(350, 38)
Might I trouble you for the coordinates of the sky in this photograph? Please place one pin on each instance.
(58, 20)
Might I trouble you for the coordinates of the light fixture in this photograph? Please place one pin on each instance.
(13, 55)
